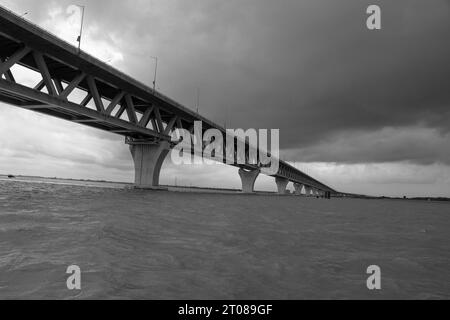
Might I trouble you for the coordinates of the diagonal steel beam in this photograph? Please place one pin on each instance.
(95, 95)
(59, 86)
(8, 74)
(120, 111)
(66, 106)
(114, 102)
(86, 100)
(72, 85)
(42, 66)
(159, 120)
(40, 85)
(155, 127)
(170, 125)
(179, 123)
(16, 57)
(146, 117)
(131, 112)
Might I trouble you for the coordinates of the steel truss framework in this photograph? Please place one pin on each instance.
(77, 87)
(52, 95)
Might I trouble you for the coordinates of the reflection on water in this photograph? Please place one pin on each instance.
(164, 245)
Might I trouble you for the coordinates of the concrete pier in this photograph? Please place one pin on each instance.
(248, 179)
(148, 159)
(308, 191)
(281, 184)
(298, 188)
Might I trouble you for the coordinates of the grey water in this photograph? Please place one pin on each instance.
(135, 244)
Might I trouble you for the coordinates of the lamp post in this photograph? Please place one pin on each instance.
(156, 70)
(198, 99)
(81, 27)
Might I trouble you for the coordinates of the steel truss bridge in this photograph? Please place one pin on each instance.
(77, 87)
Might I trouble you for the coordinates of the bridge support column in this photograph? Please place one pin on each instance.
(281, 184)
(307, 191)
(148, 160)
(298, 188)
(248, 179)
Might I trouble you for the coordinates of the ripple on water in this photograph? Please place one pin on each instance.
(137, 244)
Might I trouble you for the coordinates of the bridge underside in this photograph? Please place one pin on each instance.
(75, 86)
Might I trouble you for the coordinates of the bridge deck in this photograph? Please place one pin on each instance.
(67, 72)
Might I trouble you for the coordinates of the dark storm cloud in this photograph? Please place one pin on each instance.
(419, 145)
(310, 68)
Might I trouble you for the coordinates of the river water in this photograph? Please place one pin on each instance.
(132, 244)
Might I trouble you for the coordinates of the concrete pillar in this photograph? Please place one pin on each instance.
(298, 188)
(281, 184)
(248, 179)
(308, 191)
(148, 159)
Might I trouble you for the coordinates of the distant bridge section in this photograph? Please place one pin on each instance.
(77, 87)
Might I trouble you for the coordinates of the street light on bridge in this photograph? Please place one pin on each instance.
(81, 27)
(156, 70)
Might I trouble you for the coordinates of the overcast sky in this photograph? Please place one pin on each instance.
(364, 111)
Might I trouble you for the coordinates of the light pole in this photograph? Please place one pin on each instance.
(198, 99)
(156, 70)
(226, 118)
(81, 27)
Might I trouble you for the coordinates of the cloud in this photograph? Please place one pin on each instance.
(338, 92)
(309, 68)
(419, 145)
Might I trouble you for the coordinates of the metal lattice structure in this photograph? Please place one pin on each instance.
(80, 88)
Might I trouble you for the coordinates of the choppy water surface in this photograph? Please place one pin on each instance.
(163, 245)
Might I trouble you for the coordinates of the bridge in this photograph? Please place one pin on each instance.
(77, 87)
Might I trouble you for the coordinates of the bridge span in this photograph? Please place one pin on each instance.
(77, 87)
